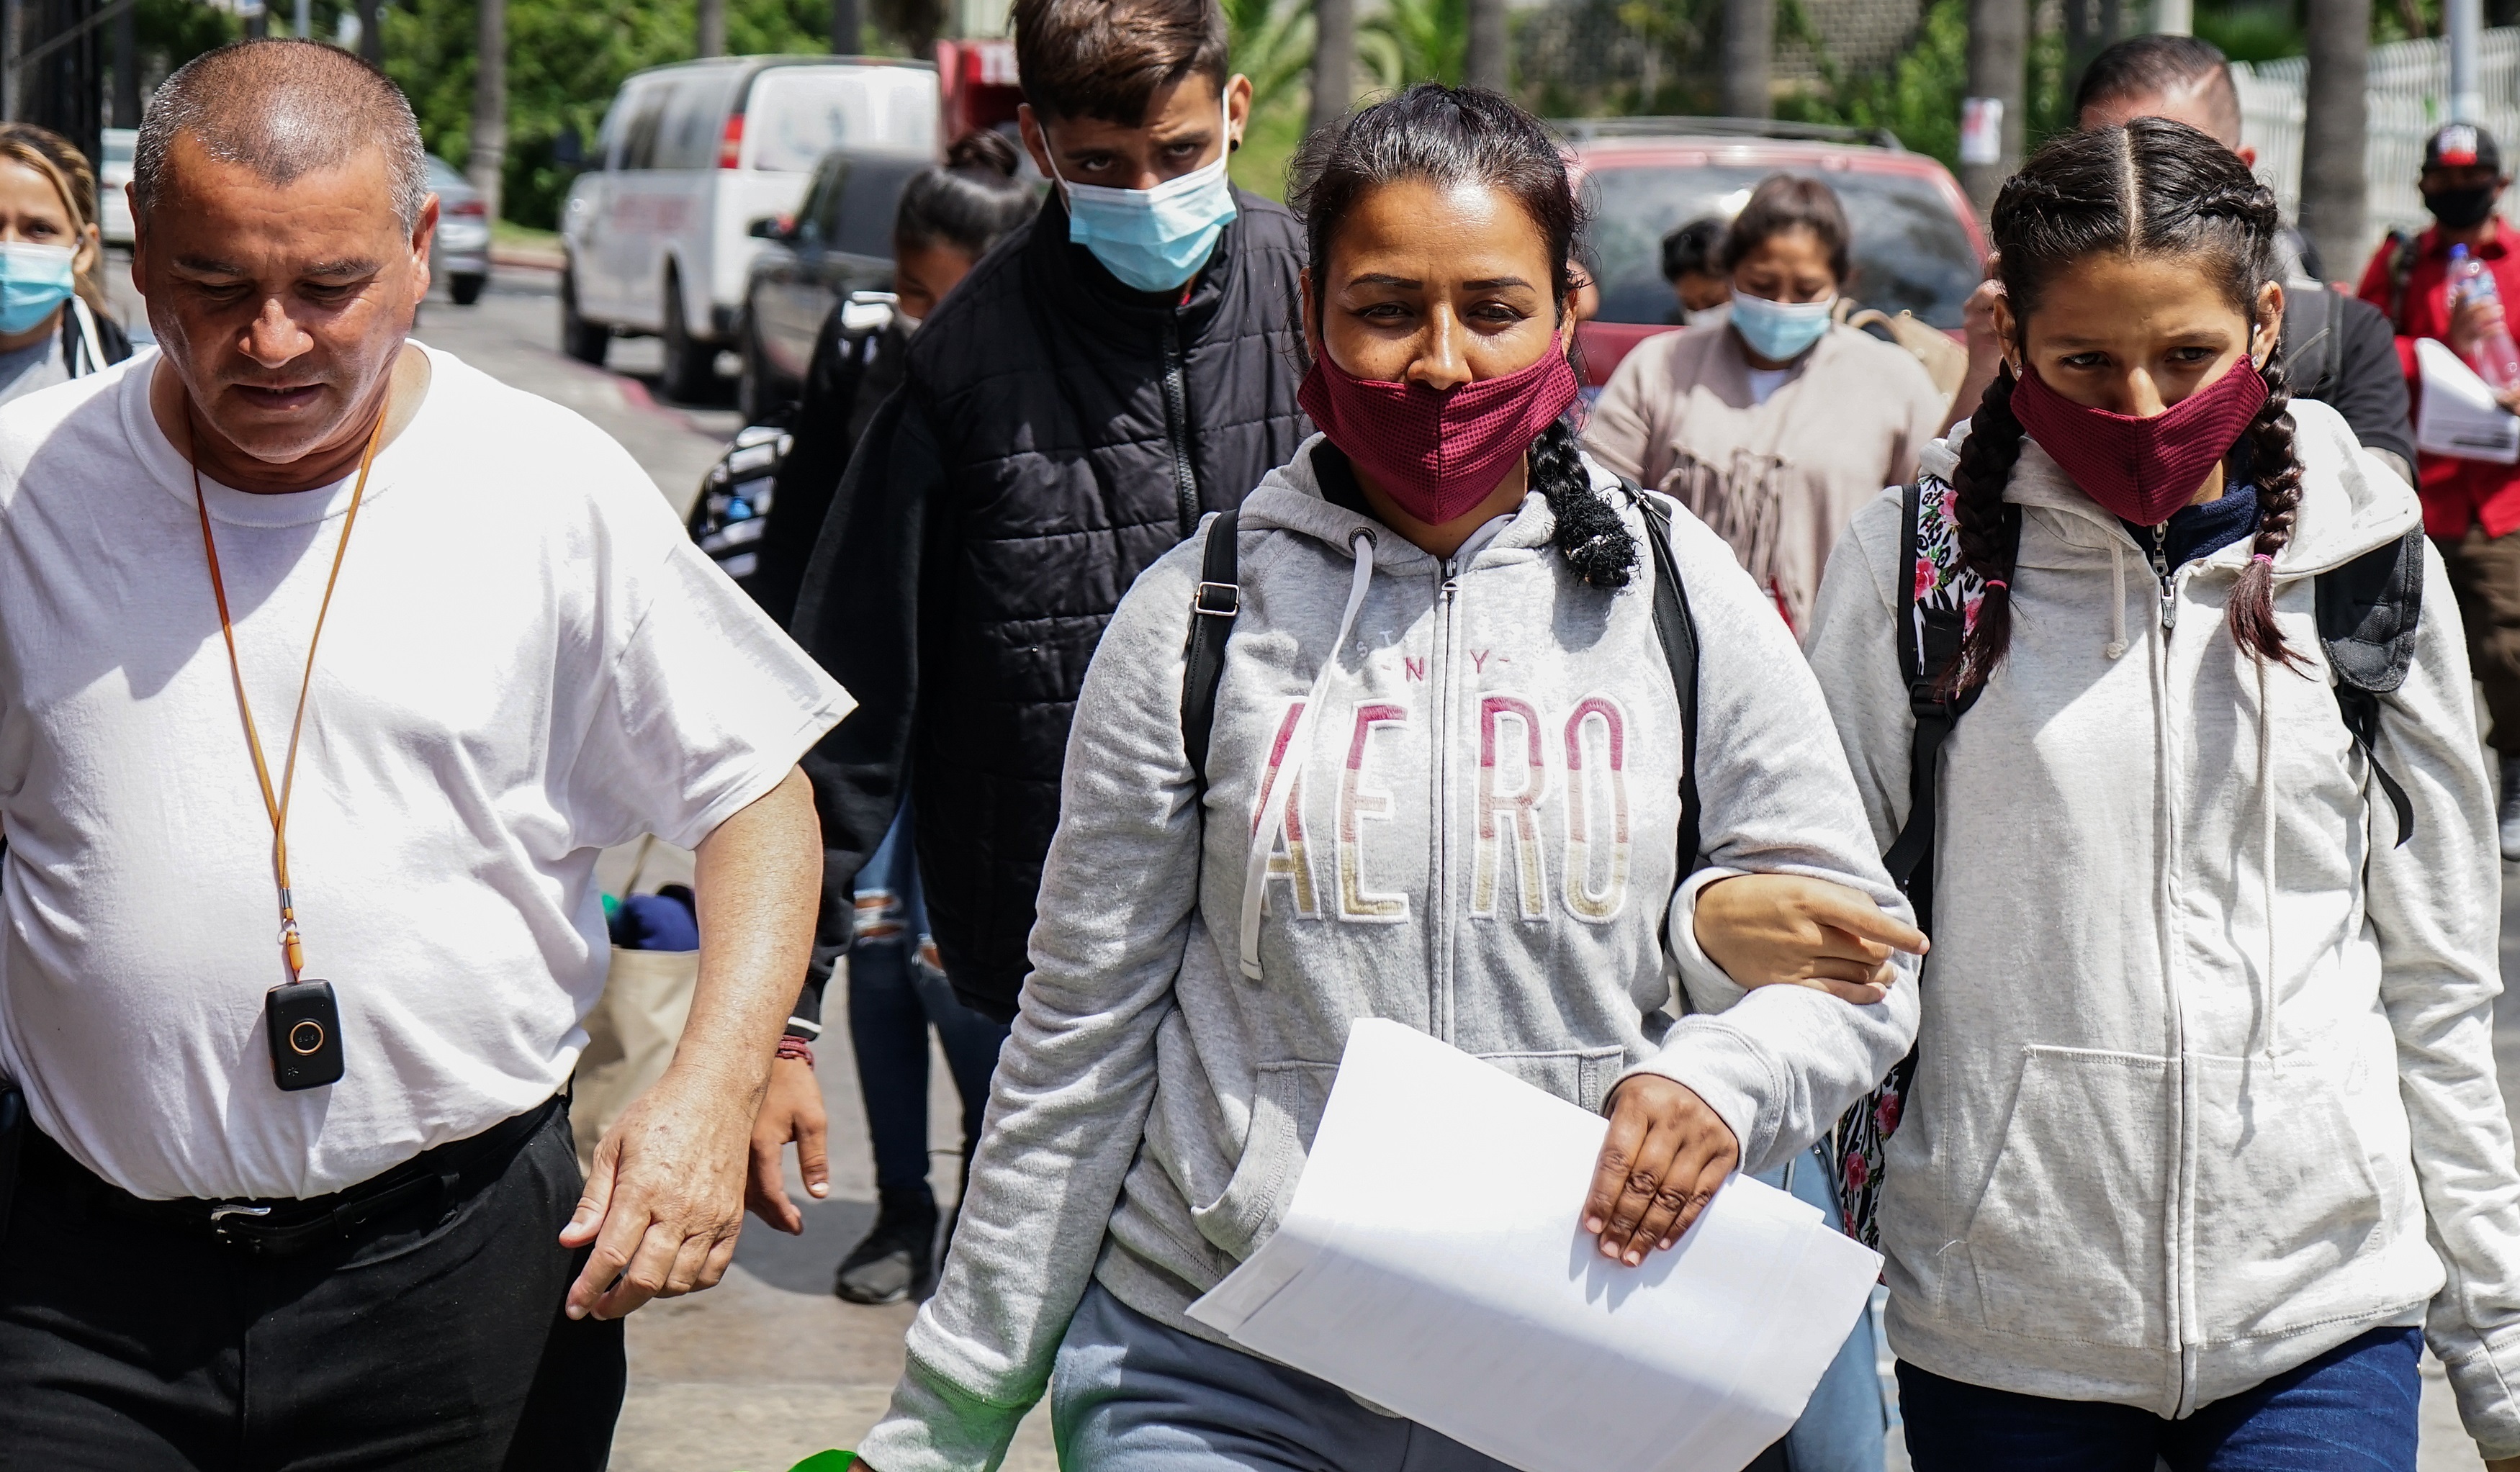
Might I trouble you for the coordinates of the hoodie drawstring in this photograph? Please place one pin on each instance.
(2117, 599)
(1290, 765)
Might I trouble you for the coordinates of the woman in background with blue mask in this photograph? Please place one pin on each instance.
(54, 326)
(1776, 424)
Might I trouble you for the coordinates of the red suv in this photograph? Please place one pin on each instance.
(1916, 247)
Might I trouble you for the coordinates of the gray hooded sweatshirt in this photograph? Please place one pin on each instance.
(2206, 1083)
(1479, 839)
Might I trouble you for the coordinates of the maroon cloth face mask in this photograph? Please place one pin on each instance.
(1437, 453)
(2141, 470)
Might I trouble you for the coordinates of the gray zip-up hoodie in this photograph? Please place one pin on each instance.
(1479, 839)
(2160, 1149)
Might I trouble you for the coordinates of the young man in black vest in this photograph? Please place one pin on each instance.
(1105, 376)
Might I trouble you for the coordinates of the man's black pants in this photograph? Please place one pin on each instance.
(431, 1338)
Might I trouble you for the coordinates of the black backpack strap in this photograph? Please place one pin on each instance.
(1676, 630)
(1213, 608)
(2369, 610)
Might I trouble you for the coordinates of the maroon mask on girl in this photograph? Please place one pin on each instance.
(1438, 453)
(2141, 470)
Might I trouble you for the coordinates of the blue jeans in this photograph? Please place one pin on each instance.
(1844, 1426)
(2351, 1409)
(896, 993)
(1131, 1394)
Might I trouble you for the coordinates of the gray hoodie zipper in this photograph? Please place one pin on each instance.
(1439, 682)
(1177, 425)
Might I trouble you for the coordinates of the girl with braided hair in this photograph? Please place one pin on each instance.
(2203, 1139)
(1441, 787)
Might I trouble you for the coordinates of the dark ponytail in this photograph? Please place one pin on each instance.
(1986, 533)
(2151, 186)
(1448, 137)
(2277, 473)
(968, 200)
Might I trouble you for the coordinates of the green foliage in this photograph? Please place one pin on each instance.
(1271, 43)
(1919, 97)
(1268, 144)
(2254, 30)
(171, 32)
(565, 59)
(1415, 41)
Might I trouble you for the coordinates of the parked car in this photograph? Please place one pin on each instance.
(113, 171)
(658, 231)
(1917, 247)
(460, 251)
(837, 242)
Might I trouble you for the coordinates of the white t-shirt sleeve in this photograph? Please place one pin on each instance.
(704, 707)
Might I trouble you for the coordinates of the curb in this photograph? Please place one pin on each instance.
(530, 257)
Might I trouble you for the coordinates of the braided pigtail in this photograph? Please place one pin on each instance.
(1589, 533)
(1987, 459)
(2278, 472)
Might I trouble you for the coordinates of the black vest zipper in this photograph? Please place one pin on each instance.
(1177, 425)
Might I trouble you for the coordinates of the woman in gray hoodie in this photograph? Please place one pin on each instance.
(2204, 1125)
(1444, 786)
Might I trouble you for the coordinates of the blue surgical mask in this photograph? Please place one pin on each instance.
(1152, 239)
(33, 281)
(1779, 331)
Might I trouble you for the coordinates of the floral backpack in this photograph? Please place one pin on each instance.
(2367, 613)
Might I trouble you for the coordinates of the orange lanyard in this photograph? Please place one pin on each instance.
(277, 805)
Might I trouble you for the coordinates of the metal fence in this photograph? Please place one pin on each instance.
(2409, 96)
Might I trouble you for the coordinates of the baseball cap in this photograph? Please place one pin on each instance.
(2460, 144)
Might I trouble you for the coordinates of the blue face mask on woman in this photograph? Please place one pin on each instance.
(33, 281)
(1154, 238)
(1779, 331)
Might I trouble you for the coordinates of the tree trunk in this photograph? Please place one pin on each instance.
(127, 69)
(848, 27)
(371, 33)
(1749, 41)
(2332, 183)
(1333, 59)
(1483, 58)
(712, 27)
(1998, 53)
(489, 154)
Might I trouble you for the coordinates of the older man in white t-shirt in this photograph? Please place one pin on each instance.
(327, 666)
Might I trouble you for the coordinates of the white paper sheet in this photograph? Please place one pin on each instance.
(1432, 1263)
(2458, 416)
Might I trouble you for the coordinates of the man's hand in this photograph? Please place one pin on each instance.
(1984, 346)
(2503, 1464)
(792, 1109)
(2470, 321)
(1763, 929)
(664, 1201)
(1665, 1156)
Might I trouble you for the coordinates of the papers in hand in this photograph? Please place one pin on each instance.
(2458, 416)
(1432, 1263)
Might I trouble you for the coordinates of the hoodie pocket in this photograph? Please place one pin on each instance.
(1581, 1075)
(2066, 1238)
(2287, 1202)
(1287, 1103)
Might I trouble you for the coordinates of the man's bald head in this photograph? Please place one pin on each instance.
(283, 109)
(2177, 77)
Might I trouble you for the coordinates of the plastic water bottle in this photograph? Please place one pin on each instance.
(2496, 358)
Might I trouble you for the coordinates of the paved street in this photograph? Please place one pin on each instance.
(769, 1366)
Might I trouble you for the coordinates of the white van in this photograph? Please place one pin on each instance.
(659, 230)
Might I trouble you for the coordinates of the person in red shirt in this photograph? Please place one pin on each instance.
(2471, 506)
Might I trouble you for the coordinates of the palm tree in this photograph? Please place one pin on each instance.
(489, 154)
(712, 27)
(1749, 41)
(1334, 61)
(2339, 37)
(1415, 41)
(1999, 58)
(1483, 60)
(1272, 44)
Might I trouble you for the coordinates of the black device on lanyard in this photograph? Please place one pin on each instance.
(300, 1019)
